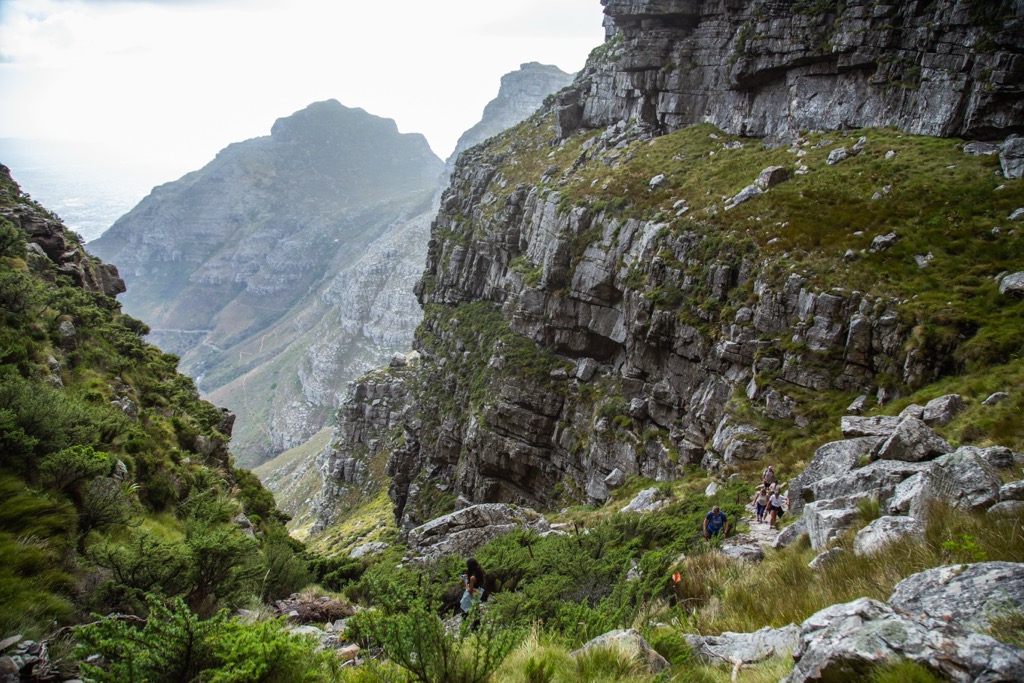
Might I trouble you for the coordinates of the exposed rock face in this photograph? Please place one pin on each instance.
(768, 69)
(509, 253)
(288, 254)
(50, 245)
(465, 530)
(848, 639)
(966, 595)
(521, 94)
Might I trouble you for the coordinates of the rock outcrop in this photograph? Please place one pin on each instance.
(768, 69)
(521, 93)
(53, 248)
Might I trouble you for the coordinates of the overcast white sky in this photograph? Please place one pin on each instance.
(170, 83)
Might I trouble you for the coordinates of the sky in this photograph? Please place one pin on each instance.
(158, 87)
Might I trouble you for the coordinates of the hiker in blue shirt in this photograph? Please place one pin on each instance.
(715, 523)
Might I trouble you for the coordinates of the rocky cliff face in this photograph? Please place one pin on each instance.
(597, 305)
(770, 69)
(49, 242)
(520, 95)
(242, 266)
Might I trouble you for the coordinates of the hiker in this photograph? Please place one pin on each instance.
(775, 503)
(715, 523)
(473, 587)
(760, 501)
(768, 477)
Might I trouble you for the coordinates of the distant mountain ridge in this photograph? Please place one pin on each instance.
(237, 267)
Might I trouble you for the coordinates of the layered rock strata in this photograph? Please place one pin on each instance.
(769, 69)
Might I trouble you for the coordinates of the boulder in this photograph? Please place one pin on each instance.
(647, 500)
(844, 641)
(878, 479)
(962, 479)
(876, 425)
(772, 176)
(826, 519)
(1011, 158)
(744, 647)
(631, 642)
(788, 536)
(615, 478)
(966, 595)
(1012, 284)
(999, 457)
(835, 458)
(884, 530)
(1012, 490)
(906, 495)
(465, 530)
(744, 552)
(748, 192)
(913, 441)
(1006, 508)
(822, 559)
(365, 549)
(941, 410)
(997, 397)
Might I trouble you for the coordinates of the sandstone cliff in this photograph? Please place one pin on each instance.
(611, 291)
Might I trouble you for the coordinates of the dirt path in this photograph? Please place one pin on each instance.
(759, 534)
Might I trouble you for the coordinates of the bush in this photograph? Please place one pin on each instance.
(417, 640)
(173, 644)
(142, 565)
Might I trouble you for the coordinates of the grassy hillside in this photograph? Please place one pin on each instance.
(117, 492)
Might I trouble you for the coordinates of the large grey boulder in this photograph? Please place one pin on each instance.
(844, 641)
(631, 642)
(836, 458)
(790, 534)
(1011, 158)
(826, 519)
(875, 425)
(913, 441)
(962, 479)
(647, 500)
(1012, 490)
(465, 530)
(941, 410)
(967, 595)
(878, 479)
(906, 496)
(745, 647)
(884, 530)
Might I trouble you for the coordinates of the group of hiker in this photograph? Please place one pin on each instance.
(769, 503)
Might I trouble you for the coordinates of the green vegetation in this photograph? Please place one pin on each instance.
(119, 496)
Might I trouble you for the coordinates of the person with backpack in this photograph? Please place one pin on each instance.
(768, 477)
(715, 523)
(473, 587)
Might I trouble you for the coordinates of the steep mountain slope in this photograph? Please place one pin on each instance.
(611, 291)
(241, 266)
(520, 94)
(294, 479)
(116, 478)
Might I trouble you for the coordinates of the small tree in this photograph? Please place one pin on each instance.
(68, 467)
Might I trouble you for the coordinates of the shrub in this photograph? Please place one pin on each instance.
(173, 644)
(417, 640)
(70, 466)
